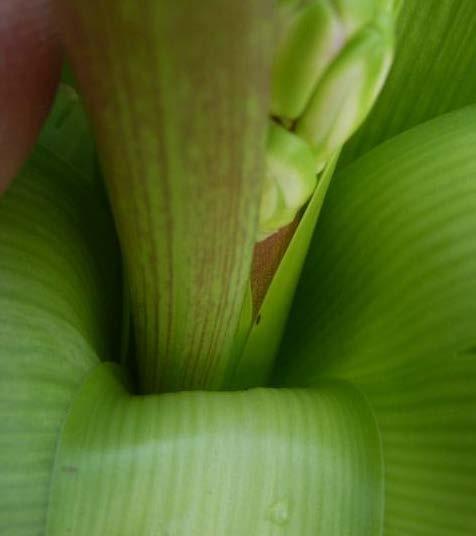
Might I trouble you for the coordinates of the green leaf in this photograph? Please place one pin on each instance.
(261, 461)
(262, 345)
(67, 133)
(427, 420)
(388, 301)
(434, 71)
(181, 126)
(67, 76)
(59, 281)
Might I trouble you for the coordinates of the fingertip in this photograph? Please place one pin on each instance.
(29, 73)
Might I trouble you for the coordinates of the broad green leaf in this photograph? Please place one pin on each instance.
(180, 122)
(434, 71)
(388, 301)
(427, 421)
(59, 276)
(259, 462)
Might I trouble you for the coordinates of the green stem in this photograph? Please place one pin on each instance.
(180, 120)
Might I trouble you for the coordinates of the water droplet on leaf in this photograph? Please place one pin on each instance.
(279, 512)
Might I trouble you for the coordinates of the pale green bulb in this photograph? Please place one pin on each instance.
(289, 182)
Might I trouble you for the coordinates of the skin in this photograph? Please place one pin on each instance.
(30, 64)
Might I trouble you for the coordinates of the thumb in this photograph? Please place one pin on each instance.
(30, 63)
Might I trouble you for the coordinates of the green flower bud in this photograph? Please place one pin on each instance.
(312, 38)
(331, 61)
(346, 93)
(289, 182)
(311, 35)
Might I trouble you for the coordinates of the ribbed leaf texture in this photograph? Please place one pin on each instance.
(388, 301)
(258, 462)
(59, 306)
(373, 431)
(180, 120)
(57, 310)
(434, 71)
